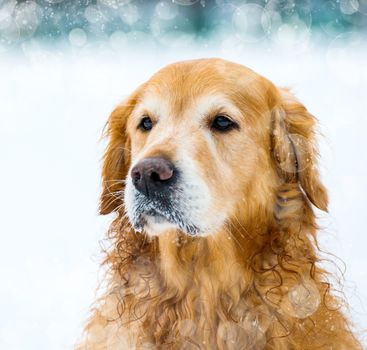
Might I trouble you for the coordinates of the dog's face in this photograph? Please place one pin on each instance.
(190, 147)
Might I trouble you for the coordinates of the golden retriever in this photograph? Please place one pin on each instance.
(212, 173)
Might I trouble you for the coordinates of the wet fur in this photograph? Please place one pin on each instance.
(230, 290)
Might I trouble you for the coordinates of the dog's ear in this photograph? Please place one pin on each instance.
(294, 147)
(116, 159)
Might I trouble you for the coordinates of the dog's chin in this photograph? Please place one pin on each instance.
(156, 225)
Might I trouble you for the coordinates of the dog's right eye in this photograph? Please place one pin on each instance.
(222, 123)
(146, 124)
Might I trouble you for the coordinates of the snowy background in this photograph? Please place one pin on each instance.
(56, 96)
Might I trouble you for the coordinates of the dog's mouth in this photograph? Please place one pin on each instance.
(156, 216)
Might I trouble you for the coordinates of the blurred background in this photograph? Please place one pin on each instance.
(111, 24)
(65, 64)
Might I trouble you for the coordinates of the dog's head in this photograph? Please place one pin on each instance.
(201, 141)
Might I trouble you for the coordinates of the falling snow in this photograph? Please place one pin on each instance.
(65, 64)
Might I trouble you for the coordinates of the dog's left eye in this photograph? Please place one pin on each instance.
(222, 123)
(146, 124)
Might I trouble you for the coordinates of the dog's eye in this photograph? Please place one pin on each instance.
(222, 123)
(146, 124)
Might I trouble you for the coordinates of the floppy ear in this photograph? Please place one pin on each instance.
(294, 148)
(116, 159)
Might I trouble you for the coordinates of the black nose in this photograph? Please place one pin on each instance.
(153, 175)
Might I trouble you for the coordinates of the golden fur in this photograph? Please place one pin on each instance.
(255, 283)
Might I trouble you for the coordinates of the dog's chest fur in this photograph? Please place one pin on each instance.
(191, 297)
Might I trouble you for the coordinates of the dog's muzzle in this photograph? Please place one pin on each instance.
(158, 196)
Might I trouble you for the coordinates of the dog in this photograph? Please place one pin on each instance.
(211, 171)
